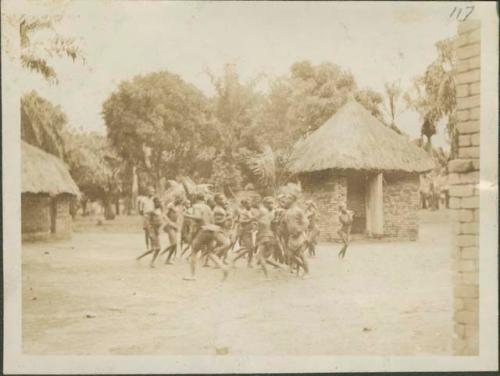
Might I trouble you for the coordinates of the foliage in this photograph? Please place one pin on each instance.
(300, 102)
(433, 95)
(269, 168)
(40, 42)
(372, 101)
(226, 175)
(159, 122)
(393, 107)
(43, 124)
(92, 165)
(235, 107)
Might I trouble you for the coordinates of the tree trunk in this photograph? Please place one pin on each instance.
(83, 203)
(132, 199)
(108, 210)
(428, 144)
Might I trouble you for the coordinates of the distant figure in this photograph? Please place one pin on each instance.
(445, 193)
(205, 233)
(173, 227)
(145, 206)
(245, 221)
(423, 190)
(265, 236)
(296, 226)
(154, 224)
(345, 219)
(312, 230)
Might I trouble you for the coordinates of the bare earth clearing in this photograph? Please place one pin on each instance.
(89, 296)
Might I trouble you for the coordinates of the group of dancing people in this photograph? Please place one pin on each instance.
(270, 231)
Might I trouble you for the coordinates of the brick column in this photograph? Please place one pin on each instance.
(464, 191)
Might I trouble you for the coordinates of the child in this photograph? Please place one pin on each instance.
(155, 223)
(345, 219)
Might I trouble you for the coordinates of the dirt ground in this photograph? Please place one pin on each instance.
(89, 296)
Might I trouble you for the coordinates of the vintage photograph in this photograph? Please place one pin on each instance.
(251, 179)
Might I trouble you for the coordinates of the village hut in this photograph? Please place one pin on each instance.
(47, 191)
(357, 161)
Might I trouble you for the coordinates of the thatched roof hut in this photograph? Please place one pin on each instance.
(47, 194)
(354, 139)
(356, 161)
(44, 173)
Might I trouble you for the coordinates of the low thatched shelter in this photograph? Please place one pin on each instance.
(47, 191)
(354, 159)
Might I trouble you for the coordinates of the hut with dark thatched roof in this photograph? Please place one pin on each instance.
(47, 190)
(355, 160)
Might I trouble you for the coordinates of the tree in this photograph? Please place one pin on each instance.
(161, 124)
(393, 107)
(235, 107)
(43, 124)
(433, 95)
(38, 48)
(303, 100)
(372, 101)
(95, 168)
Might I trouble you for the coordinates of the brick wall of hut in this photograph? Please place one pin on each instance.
(35, 215)
(43, 216)
(400, 200)
(401, 204)
(328, 190)
(464, 192)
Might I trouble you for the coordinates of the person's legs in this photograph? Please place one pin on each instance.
(240, 253)
(244, 247)
(246, 239)
(149, 250)
(261, 250)
(303, 260)
(219, 264)
(146, 238)
(346, 240)
(192, 265)
(155, 255)
(199, 242)
(166, 250)
(343, 251)
(186, 248)
(222, 245)
(170, 250)
(155, 244)
(144, 254)
(172, 240)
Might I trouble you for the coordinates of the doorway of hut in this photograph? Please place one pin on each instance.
(356, 201)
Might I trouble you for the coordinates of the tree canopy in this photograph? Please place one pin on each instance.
(158, 122)
(433, 95)
(93, 165)
(300, 102)
(43, 124)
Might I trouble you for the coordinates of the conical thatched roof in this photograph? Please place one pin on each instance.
(44, 173)
(354, 139)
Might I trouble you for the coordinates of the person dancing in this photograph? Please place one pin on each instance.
(345, 219)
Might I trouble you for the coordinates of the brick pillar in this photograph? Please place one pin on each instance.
(464, 191)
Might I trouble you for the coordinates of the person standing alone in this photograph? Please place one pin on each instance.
(345, 219)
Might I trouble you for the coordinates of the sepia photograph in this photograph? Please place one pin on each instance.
(200, 187)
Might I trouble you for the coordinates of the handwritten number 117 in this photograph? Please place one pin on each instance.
(457, 11)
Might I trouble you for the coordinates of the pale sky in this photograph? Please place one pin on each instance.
(376, 42)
